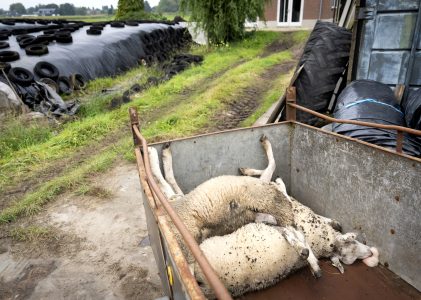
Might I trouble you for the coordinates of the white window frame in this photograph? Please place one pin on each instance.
(289, 15)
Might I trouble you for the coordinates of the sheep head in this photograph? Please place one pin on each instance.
(348, 249)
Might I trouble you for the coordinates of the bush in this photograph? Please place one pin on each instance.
(223, 20)
(126, 7)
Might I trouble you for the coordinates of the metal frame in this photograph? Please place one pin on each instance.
(291, 116)
(173, 257)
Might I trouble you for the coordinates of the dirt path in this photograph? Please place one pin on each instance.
(94, 249)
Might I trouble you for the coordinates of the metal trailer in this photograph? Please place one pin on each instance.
(368, 188)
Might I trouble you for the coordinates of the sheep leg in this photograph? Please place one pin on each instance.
(265, 218)
(156, 171)
(250, 172)
(266, 174)
(168, 169)
(314, 263)
(270, 169)
(297, 240)
(337, 264)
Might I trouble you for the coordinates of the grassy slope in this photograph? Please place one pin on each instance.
(185, 117)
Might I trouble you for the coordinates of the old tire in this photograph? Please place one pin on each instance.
(63, 37)
(4, 45)
(37, 50)
(21, 76)
(64, 85)
(46, 70)
(325, 57)
(6, 56)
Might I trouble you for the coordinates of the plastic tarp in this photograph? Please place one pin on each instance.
(371, 101)
(114, 51)
(412, 109)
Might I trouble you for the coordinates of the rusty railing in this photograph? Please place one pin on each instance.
(213, 279)
(291, 108)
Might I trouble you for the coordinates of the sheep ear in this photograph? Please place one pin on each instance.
(337, 264)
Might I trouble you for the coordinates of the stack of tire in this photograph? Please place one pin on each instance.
(325, 58)
(159, 43)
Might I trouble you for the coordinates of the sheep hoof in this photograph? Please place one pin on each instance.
(242, 171)
(317, 274)
(263, 138)
(167, 145)
(305, 253)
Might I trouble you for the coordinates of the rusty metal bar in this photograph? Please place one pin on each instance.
(368, 124)
(291, 96)
(213, 280)
(399, 142)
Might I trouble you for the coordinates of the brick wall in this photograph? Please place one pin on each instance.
(311, 10)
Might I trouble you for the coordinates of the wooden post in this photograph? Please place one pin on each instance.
(291, 97)
(134, 121)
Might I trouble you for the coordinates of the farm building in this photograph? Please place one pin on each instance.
(296, 13)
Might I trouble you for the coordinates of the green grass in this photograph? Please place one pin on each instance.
(97, 125)
(16, 134)
(210, 86)
(31, 233)
(195, 114)
(33, 202)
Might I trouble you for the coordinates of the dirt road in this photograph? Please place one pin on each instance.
(95, 247)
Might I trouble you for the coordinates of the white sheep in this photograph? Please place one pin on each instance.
(257, 255)
(252, 258)
(223, 204)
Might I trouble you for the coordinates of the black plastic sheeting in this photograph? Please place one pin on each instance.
(371, 101)
(412, 109)
(116, 47)
(114, 51)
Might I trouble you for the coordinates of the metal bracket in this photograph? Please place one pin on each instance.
(365, 13)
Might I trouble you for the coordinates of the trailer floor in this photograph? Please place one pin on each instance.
(358, 282)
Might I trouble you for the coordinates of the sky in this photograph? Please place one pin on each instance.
(4, 4)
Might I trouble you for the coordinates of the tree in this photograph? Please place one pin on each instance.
(2, 12)
(168, 6)
(223, 20)
(30, 10)
(67, 9)
(129, 7)
(148, 7)
(17, 8)
(111, 10)
(81, 11)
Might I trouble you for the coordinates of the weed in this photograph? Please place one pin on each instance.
(31, 233)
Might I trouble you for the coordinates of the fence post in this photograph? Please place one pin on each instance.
(291, 112)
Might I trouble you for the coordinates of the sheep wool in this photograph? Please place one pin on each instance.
(252, 258)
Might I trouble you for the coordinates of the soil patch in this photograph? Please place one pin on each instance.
(249, 99)
(22, 288)
(284, 43)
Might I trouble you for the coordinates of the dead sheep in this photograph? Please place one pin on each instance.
(257, 256)
(222, 204)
